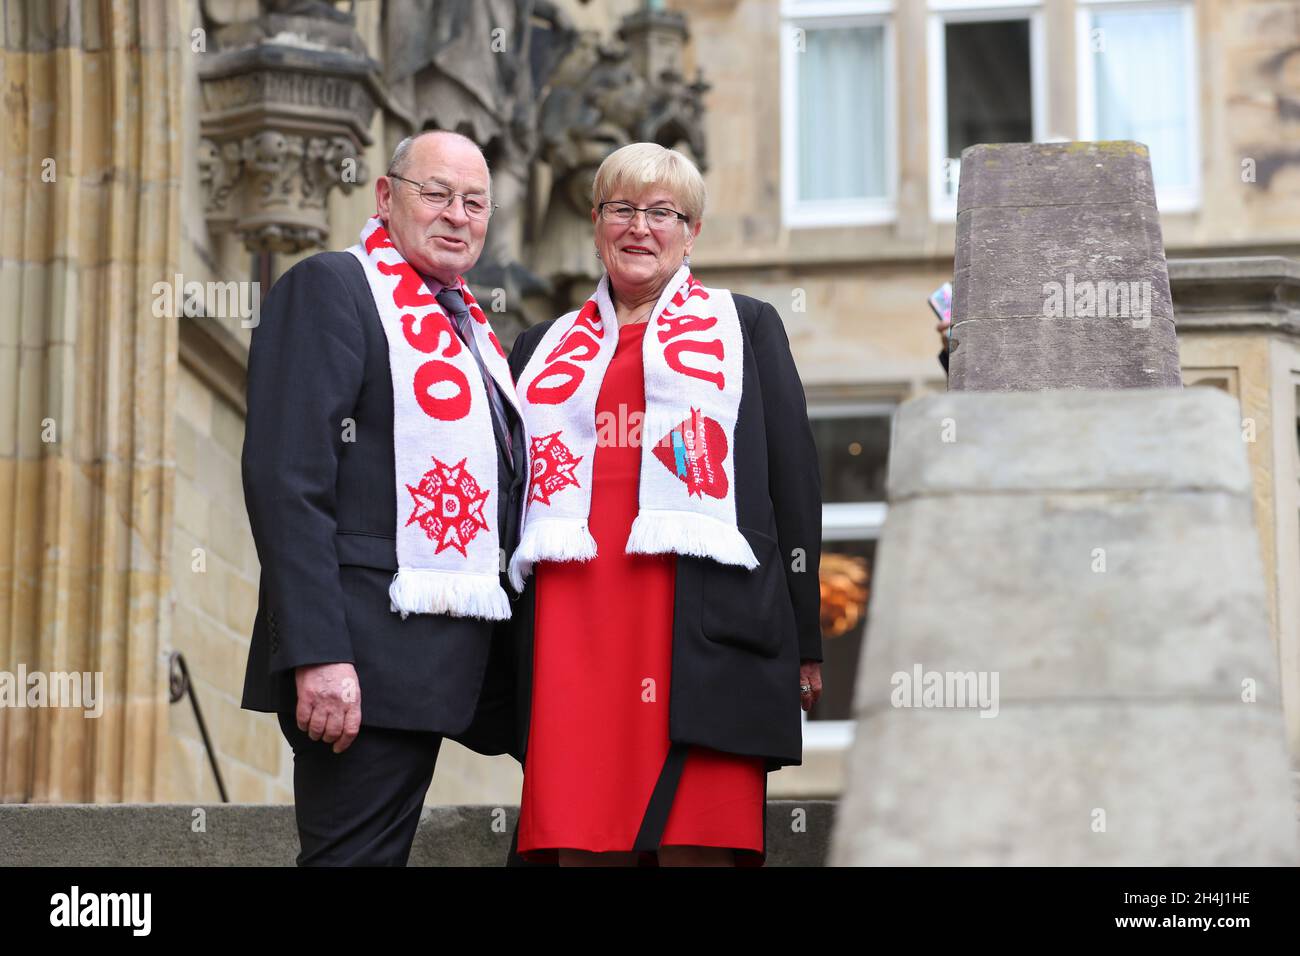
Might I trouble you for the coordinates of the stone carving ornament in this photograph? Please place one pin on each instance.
(288, 93)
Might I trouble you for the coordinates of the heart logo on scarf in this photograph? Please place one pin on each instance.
(694, 451)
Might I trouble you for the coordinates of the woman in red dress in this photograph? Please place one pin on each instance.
(600, 771)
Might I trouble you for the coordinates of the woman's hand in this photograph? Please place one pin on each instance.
(810, 683)
(942, 329)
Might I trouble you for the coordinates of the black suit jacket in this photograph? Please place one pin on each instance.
(738, 636)
(319, 483)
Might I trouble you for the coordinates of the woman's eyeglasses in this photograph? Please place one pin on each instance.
(656, 217)
(440, 196)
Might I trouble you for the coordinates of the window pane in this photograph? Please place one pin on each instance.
(846, 587)
(989, 98)
(854, 457)
(841, 114)
(1141, 77)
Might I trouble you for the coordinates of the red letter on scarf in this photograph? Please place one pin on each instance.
(378, 240)
(435, 372)
(410, 292)
(573, 341)
(679, 324)
(672, 355)
(540, 394)
(693, 291)
(432, 328)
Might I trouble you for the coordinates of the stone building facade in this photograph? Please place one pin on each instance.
(124, 537)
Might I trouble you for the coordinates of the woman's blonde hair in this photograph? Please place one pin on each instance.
(629, 170)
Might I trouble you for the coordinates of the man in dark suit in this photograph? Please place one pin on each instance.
(364, 695)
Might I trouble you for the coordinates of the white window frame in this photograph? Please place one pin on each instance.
(826, 14)
(943, 12)
(847, 521)
(1179, 199)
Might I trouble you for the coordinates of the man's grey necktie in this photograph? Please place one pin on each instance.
(454, 304)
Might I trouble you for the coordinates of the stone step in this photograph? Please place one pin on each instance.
(798, 834)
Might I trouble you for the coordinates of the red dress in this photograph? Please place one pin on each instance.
(602, 660)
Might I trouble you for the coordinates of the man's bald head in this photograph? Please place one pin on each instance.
(444, 243)
(401, 160)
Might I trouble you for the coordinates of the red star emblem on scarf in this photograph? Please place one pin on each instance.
(448, 506)
(553, 466)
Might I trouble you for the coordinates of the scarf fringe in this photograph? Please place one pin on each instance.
(421, 591)
(682, 532)
(550, 539)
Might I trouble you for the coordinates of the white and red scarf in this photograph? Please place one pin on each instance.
(693, 376)
(448, 552)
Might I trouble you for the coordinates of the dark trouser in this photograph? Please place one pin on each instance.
(360, 807)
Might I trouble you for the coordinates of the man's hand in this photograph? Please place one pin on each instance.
(329, 703)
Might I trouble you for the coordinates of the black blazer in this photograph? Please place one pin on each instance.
(738, 636)
(322, 506)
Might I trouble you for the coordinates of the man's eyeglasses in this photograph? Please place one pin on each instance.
(439, 196)
(656, 217)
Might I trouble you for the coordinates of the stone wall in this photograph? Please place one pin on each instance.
(214, 572)
(89, 220)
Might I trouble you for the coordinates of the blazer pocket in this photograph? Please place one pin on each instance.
(747, 609)
(366, 549)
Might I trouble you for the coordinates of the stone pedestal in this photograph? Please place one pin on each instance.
(1059, 274)
(1087, 559)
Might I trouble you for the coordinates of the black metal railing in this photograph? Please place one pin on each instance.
(180, 684)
